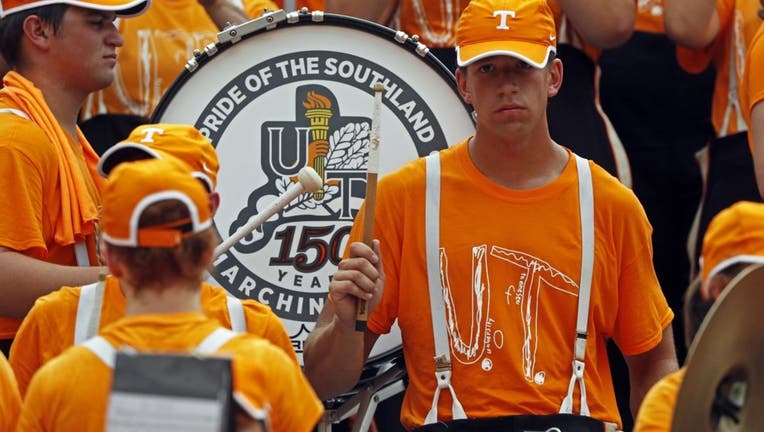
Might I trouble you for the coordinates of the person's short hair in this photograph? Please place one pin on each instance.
(151, 265)
(12, 28)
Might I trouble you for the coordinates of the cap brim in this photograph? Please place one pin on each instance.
(123, 8)
(530, 52)
(122, 152)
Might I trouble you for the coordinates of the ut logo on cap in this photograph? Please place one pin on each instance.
(503, 14)
(149, 132)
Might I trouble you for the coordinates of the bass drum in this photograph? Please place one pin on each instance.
(287, 91)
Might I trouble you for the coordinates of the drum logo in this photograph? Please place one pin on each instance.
(306, 114)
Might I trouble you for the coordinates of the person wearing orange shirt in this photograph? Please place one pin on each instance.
(59, 53)
(157, 46)
(752, 93)
(10, 400)
(718, 32)
(63, 318)
(734, 240)
(494, 253)
(158, 240)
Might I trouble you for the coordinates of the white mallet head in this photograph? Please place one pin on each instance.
(309, 179)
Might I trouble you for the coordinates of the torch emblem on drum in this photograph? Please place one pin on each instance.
(318, 112)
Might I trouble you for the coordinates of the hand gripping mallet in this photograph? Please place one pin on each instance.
(372, 170)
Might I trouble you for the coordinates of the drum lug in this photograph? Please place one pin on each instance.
(401, 36)
(211, 49)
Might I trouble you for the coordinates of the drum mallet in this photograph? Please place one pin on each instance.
(372, 170)
(308, 181)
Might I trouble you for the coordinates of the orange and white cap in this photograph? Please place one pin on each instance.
(125, 8)
(735, 235)
(523, 29)
(133, 187)
(161, 140)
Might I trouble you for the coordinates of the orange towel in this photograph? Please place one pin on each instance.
(79, 211)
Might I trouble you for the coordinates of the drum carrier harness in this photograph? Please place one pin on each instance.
(442, 351)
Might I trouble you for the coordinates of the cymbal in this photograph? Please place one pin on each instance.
(723, 388)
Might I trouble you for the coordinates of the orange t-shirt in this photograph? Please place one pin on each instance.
(48, 329)
(157, 45)
(512, 337)
(738, 22)
(10, 401)
(433, 20)
(71, 392)
(657, 410)
(752, 87)
(30, 187)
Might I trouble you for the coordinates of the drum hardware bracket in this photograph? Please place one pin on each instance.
(192, 63)
(268, 21)
(364, 403)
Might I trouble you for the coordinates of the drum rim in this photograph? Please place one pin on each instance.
(306, 18)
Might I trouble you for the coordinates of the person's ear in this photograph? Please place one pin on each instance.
(214, 202)
(555, 78)
(461, 85)
(717, 284)
(115, 269)
(37, 32)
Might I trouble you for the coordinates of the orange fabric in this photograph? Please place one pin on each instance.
(433, 20)
(530, 241)
(752, 87)
(157, 46)
(657, 410)
(10, 401)
(738, 19)
(48, 329)
(650, 16)
(41, 170)
(529, 33)
(78, 214)
(312, 5)
(71, 392)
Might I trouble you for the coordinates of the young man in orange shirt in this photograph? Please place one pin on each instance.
(59, 53)
(520, 264)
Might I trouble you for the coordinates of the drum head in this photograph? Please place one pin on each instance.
(301, 94)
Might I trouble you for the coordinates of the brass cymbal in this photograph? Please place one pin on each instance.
(723, 388)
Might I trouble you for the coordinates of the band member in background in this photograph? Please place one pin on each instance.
(734, 240)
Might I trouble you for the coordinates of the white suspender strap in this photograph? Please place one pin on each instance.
(236, 314)
(15, 112)
(586, 209)
(81, 253)
(437, 304)
(107, 353)
(215, 340)
(103, 349)
(88, 312)
(733, 98)
(290, 5)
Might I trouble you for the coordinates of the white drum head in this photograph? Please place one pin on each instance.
(302, 95)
